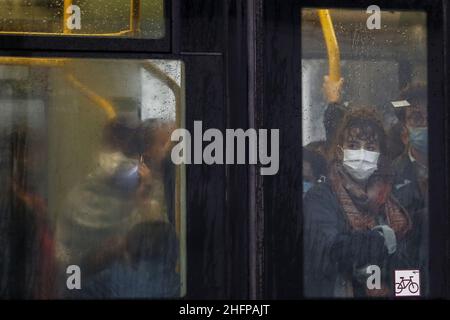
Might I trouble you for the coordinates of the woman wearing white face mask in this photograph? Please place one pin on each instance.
(352, 221)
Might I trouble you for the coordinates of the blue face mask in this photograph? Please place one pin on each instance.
(418, 138)
(306, 186)
(127, 179)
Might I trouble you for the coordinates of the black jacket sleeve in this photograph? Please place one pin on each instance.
(329, 242)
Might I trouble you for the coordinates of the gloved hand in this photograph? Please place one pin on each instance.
(390, 240)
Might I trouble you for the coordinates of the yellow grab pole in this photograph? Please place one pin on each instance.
(135, 17)
(35, 62)
(55, 63)
(94, 97)
(67, 4)
(334, 60)
(114, 34)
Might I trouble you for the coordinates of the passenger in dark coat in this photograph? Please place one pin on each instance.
(411, 168)
(143, 267)
(352, 220)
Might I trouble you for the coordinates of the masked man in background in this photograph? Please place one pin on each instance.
(411, 168)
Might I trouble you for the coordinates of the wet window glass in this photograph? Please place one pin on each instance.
(365, 153)
(91, 204)
(105, 18)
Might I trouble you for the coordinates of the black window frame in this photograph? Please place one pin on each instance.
(210, 39)
(283, 269)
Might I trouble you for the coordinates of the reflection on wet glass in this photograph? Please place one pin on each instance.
(109, 18)
(88, 180)
(365, 159)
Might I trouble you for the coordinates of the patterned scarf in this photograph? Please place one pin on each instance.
(363, 207)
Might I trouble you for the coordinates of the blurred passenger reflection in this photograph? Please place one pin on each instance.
(125, 190)
(141, 266)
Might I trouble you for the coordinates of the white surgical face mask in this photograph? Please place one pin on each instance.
(360, 164)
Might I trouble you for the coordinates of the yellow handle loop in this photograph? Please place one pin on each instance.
(334, 60)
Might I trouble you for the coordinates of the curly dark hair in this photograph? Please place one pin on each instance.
(131, 136)
(369, 126)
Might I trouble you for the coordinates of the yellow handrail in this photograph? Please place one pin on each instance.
(113, 34)
(36, 62)
(334, 60)
(94, 97)
(67, 4)
(135, 20)
(103, 103)
(135, 17)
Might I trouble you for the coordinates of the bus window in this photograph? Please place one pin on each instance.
(365, 163)
(106, 18)
(92, 205)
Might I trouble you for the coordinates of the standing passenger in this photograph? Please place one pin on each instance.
(411, 168)
(352, 221)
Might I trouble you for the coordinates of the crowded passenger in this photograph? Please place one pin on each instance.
(126, 189)
(314, 169)
(352, 220)
(335, 111)
(29, 268)
(411, 168)
(143, 265)
(315, 153)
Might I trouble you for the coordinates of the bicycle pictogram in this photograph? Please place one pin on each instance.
(407, 283)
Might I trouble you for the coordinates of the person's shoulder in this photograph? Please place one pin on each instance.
(321, 203)
(321, 191)
(401, 164)
(402, 167)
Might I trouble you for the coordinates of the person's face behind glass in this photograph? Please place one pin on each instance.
(414, 132)
(360, 137)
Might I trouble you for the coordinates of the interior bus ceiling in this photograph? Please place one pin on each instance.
(402, 35)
